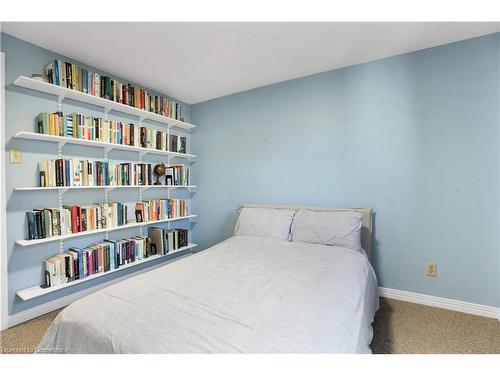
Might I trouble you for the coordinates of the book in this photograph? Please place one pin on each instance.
(156, 237)
(32, 226)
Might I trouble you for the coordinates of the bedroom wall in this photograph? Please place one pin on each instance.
(414, 136)
(22, 106)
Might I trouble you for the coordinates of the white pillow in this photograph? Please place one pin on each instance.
(336, 228)
(265, 222)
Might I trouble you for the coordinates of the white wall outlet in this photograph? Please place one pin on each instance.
(16, 156)
(432, 269)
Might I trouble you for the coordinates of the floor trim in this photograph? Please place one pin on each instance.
(443, 303)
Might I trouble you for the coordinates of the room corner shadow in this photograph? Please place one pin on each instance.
(383, 340)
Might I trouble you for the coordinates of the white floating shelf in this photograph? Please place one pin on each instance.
(105, 145)
(36, 291)
(90, 232)
(66, 188)
(108, 105)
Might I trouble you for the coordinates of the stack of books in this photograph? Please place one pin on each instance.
(163, 241)
(97, 129)
(49, 222)
(74, 172)
(73, 77)
(76, 264)
(160, 209)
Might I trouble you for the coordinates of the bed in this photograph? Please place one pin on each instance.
(247, 294)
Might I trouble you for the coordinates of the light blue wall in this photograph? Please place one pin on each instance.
(22, 106)
(414, 136)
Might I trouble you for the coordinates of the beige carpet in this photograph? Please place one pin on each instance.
(400, 327)
(25, 337)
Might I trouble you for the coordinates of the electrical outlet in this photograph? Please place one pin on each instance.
(16, 156)
(432, 269)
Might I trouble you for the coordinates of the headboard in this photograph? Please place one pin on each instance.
(366, 230)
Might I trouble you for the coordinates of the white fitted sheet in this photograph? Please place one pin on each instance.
(244, 295)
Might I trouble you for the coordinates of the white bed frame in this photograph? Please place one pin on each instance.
(366, 230)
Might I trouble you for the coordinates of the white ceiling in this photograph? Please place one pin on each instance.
(194, 62)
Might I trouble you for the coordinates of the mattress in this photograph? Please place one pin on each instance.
(247, 294)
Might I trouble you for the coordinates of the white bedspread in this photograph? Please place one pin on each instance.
(245, 295)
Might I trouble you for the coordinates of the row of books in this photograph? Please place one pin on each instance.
(160, 209)
(75, 172)
(162, 241)
(177, 175)
(73, 77)
(49, 222)
(91, 128)
(77, 264)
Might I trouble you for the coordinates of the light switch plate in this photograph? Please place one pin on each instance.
(16, 156)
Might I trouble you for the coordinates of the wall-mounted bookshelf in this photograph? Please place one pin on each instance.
(61, 94)
(96, 231)
(108, 105)
(61, 141)
(36, 291)
(107, 187)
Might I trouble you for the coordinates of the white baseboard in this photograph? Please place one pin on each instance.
(443, 303)
(45, 308)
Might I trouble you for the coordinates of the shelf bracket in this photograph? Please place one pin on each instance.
(60, 145)
(107, 109)
(60, 99)
(60, 193)
(169, 159)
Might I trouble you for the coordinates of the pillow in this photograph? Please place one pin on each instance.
(335, 228)
(265, 222)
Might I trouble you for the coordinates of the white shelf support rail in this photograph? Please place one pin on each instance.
(60, 193)
(141, 228)
(169, 226)
(60, 204)
(106, 234)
